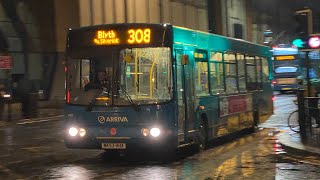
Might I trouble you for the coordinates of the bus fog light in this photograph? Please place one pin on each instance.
(145, 132)
(82, 132)
(73, 131)
(155, 132)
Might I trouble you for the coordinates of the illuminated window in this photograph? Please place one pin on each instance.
(251, 73)
(216, 73)
(265, 70)
(259, 73)
(231, 73)
(241, 73)
(201, 76)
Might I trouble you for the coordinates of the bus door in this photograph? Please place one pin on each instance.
(185, 93)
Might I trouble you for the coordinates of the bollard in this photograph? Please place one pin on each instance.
(301, 112)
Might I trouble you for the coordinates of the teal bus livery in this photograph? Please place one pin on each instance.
(165, 87)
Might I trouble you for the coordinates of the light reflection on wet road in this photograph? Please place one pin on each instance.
(36, 151)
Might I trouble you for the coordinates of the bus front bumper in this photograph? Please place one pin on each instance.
(121, 144)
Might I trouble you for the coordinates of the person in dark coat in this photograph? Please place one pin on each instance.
(100, 82)
(23, 90)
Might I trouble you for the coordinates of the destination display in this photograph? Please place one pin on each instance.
(143, 35)
(113, 37)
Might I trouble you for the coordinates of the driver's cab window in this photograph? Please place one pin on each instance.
(87, 77)
(90, 72)
(85, 72)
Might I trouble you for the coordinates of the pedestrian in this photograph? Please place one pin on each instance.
(23, 90)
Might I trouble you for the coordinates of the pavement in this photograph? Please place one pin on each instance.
(45, 110)
(293, 143)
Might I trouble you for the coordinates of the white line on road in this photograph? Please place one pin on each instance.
(38, 120)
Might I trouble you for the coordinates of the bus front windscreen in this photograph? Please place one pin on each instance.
(121, 78)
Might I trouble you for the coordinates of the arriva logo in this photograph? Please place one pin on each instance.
(103, 119)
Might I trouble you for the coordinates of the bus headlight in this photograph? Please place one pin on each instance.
(73, 131)
(155, 132)
(82, 132)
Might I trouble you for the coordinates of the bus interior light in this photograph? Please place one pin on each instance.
(155, 132)
(73, 131)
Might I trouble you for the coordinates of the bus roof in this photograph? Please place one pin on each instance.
(215, 42)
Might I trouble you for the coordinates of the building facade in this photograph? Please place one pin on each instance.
(34, 32)
(26, 36)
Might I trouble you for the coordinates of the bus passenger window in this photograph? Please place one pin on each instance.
(201, 76)
(251, 73)
(265, 70)
(231, 73)
(259, 73)
(241, 73)
(216, 73)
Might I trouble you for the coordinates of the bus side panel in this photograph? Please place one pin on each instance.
(235, 113)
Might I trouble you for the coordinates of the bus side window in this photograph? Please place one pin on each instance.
(241, 73)
(259, 72)
(216, 73)
(201, 74)
(251, 73)
(231, 73)
(265, 70)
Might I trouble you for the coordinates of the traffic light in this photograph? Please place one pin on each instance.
(307, 42)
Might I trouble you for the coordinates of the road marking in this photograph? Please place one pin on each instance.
(38, 120)
(37, 149)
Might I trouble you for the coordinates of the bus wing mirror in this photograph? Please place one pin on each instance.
(184, 59)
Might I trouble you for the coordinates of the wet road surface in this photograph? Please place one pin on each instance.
(36, 151)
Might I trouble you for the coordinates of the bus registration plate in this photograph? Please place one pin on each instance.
(114, 146)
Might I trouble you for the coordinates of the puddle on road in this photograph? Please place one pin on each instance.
(277, 148)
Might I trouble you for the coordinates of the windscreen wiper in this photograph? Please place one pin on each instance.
(128, 97)
(94, 99)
